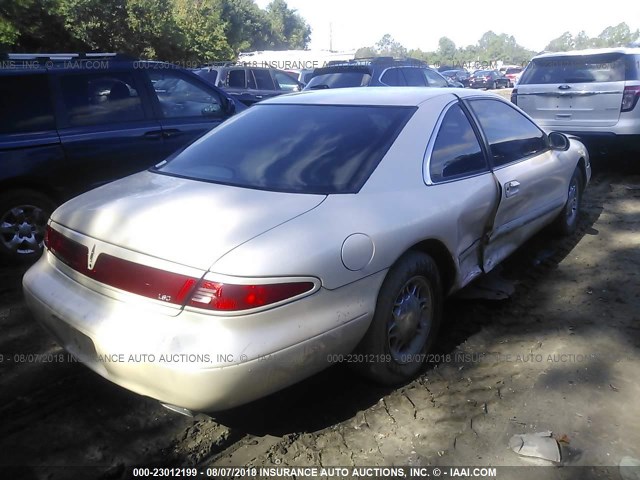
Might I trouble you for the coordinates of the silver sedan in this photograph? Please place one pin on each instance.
(312, 228)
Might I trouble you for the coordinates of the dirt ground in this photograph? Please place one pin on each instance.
(560, 354)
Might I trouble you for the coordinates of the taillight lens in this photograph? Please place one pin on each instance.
(116, 272)
(630, 98)
(72, 253)
(167, 286)
(228, 297)
(514, 96)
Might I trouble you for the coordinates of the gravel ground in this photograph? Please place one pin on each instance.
(561, 354)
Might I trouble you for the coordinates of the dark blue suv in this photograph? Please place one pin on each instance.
(73, 122)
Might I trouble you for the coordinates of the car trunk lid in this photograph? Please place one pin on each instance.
(187, 222)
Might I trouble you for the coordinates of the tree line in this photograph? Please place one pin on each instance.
(493, 47)
(171, 30)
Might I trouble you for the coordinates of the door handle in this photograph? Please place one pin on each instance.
(174, 132)
(511, 188)
(153, 134)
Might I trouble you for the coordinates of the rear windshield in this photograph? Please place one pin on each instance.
(512, 70)
(609, 67)
(343, 79)
(318, 149)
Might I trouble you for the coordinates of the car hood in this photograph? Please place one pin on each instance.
(185, 221)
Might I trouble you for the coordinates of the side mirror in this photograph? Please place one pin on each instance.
(229, 106)
(558, 141)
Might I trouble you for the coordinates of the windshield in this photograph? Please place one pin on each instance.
(319, 149)
(575, 69)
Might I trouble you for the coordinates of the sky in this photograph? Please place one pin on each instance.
(420, 24)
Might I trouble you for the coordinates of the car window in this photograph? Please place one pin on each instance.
(236, 78)
(100, 98)
(608, 67)
(318, 149)
(511, 71)
(286, 82)
(456, 151)
(511, 135)
(393, 77)
(434, 79)
(339, 80)
(208, 74)
(414, 77)
(25, 103)
(180, 96)
(263, 79)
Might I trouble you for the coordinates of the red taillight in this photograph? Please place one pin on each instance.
(119, 273)
(142, 280)
(228, 297)
(168, 286)
(72, 253)
(630, 98)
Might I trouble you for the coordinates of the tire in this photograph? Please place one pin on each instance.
(494, 85)
(23, 219)
(567, 222)
(405, 322)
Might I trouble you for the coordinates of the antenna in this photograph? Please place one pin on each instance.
(330, 37)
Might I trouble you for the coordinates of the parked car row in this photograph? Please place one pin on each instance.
(250, 84)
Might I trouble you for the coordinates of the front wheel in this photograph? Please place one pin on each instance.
(405, 322)
(567, 221)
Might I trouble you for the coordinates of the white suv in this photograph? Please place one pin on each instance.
(592, 94)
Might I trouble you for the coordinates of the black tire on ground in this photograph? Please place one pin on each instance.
(23, 219)
(567, 221)
(405, 322)
(494, 85)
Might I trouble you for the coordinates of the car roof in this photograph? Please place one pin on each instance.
(384, 96)
(590, 51)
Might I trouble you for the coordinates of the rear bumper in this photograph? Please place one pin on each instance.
(195, 361)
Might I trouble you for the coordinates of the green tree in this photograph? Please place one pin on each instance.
(366, 52)
(447, 51)
(34, 26)
(388, 47)
(246, 25)
(101, 25)
(202, 30)
(617, 36)
(561, 44)
(288, 29)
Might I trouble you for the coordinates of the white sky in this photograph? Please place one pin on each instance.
(420, 24)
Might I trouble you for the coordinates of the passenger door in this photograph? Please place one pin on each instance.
(265, 86)
(533, 183)
(186, 107)
(106, 126)
(458, 172)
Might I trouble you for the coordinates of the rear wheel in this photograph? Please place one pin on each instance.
(494, 85)
(405, 322)
(567, 221)
(23, 219)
